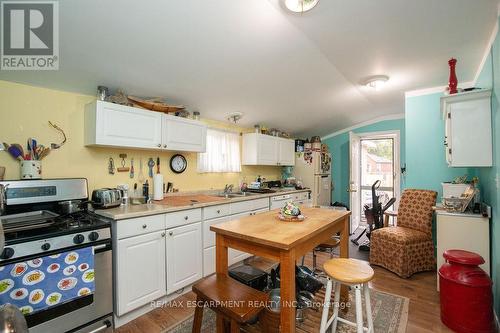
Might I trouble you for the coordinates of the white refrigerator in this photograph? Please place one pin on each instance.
(314, 170)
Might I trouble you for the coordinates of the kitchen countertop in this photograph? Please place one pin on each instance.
(179, 202)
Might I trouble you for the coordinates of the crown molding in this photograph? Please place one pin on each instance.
(434, 90)
(365, 123)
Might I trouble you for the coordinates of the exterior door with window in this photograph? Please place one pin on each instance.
(354, 180)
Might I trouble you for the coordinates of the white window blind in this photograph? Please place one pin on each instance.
(223, 153)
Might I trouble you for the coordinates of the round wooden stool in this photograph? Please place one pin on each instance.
(356, 274)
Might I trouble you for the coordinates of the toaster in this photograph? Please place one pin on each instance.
(106, 198)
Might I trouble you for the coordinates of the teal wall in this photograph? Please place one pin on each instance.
(339, 148)
(426, 166)
(490, 78)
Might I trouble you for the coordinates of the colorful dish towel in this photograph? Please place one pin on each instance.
(41, 283)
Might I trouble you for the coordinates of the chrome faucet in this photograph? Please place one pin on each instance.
(228, 188)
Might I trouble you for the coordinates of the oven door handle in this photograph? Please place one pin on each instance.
(99, 247)
(106, 325)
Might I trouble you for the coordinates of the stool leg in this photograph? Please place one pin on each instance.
(359, 308)
(368, 306)
(221, 326)
(336, 306)
(326, 306)
(198, 317)
(235, 326)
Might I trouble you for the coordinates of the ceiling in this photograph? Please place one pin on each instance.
(301, 73)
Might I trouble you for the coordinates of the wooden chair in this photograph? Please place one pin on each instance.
(234, 302)
(356, 274)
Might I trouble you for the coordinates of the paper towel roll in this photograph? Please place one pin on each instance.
(158, 186)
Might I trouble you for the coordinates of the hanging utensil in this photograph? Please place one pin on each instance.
(132, 168)
(157, 165)
(29, 155)
(151, 164)
(111, 166)
(2, 146)
(55, 145)
(123, 168)
(140, 177)
(34, 145)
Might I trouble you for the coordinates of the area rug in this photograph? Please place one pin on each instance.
(390, 315)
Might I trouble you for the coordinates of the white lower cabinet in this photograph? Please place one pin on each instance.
(140, 275)
(184, 256)
(208, 261)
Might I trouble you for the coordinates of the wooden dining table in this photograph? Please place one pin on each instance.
(266, 236)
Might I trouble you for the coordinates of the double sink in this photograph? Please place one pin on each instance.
(234, 194)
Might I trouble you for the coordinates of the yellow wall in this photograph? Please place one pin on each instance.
(26, 110)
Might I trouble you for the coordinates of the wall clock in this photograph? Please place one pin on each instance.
(178, 163)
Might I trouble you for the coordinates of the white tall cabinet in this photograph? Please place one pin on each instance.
(468, 133)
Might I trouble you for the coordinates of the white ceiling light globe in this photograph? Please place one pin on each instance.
(300, 6)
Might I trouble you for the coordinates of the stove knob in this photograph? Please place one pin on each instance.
(7, 253)
(46, 246)
(78, 239)
(93, 236)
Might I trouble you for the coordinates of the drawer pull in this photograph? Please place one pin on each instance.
(144, 226)
(170, 233)
(162, 234)
(186, 218)
(159, 145)
(218, 211)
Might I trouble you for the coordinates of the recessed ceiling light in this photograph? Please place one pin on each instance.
(376, 82)
(300, 6)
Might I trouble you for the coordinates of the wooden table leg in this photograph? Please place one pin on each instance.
(221, 250)
(287, 276)
(221, 262)
(344, 253)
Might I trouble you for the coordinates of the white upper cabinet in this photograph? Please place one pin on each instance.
(286, 151)
(114, 125)
(468, 134)
(108, 124)
(183, 134)
(261, 149)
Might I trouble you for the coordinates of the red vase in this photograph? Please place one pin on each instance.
(453, 81)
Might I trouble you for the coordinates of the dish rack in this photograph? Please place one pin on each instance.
(460, 204)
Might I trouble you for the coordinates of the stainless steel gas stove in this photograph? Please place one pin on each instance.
(36, 230)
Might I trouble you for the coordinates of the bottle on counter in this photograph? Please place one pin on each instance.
(145, 190)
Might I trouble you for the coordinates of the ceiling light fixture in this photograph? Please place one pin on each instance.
(300, 6)
(376, 82)
(234, 116)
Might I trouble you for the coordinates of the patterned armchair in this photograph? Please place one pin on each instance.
(407, 248)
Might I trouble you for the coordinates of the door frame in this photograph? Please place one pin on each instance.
(396, 136)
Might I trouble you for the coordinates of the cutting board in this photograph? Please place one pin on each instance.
(187, 200)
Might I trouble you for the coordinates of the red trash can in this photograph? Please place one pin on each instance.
(465, 292)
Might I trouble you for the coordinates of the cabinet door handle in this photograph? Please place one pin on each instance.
(164, 146)
(159, 145)
(144, 226)
(186, 218)
(162, 234)
(170, 233)
(218, 211)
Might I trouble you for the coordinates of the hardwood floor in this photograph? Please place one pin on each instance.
(424, 311)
